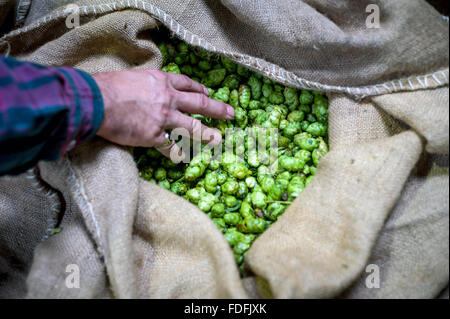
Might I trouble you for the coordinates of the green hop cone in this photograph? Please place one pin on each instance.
(238, 190)
(229, 65)
(222, 94)
(255, 87)
(243, 71)
(218, 210)
(172, 68)
(233, 237)
(178, 188)
(214, 77)
(232, 218)
(252, 225)
(306, 141)
(306, 97)
(244, 96)
(232, 81)
(291, 97)
(274, 211)
(164, 184)
(234, 98)
(259, 199)
(164, 52)
(160, 173)
(317, 129)
(206, 202)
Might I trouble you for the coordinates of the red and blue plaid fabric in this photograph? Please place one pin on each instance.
(44, 112)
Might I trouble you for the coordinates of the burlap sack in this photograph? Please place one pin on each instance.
(380, 196)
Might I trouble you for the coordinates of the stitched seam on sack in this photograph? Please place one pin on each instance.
(85, 204)
(47, 192)
(277, 73)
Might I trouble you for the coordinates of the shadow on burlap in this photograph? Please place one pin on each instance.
(380, 195)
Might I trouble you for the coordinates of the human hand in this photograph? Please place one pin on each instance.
(142, 105)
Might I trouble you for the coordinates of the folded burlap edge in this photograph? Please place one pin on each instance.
(434, 79)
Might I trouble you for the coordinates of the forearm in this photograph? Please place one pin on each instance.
(44, 112)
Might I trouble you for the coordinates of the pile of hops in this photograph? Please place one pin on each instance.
(243, 189)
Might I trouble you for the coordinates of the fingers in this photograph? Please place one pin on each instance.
(171, 151)
(160, 141)
(182, 82)
(197, 103)
(194, 128)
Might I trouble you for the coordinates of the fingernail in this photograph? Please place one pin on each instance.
(230, 112)
(206, 90)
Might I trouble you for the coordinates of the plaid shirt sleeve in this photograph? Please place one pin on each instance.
(44, 112)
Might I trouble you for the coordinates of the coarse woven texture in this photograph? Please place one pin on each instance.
(311, 44)
(412, 258)
(380, 196)
(28, 210)
(430, 121)
(337, 219)
(150, 242)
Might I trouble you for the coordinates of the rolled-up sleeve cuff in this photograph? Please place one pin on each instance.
(86, 115)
